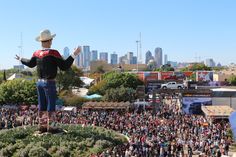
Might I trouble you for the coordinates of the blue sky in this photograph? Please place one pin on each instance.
(184, 29)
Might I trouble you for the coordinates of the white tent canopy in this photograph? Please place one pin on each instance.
(14, 76)
(69, 109)
(87, 81)
(223, 90)
(143, 103)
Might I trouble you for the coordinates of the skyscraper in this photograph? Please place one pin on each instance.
(210, 62)
(134, 60)
(148, 57)
(114, 58)
(123, 60)
(94, 55)
(80, 61)
(130, 57)
(86, 56)
(103, 56)
(165, 59)
(158, 56)
(66, 52)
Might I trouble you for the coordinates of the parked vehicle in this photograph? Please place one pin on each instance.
(172, 85)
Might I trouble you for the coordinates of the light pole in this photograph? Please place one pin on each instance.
(137, 54)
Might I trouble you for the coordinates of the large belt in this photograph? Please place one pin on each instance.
(46, 80)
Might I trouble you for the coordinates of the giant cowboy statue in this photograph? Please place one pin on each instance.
(47, 61)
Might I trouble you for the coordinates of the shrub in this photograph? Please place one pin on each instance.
(2, 145)
(24, 152)
(74, 101)
(89, 142)
(62, 152)
(103, 144)
(38, 152)
(52, 150)
(232, 80)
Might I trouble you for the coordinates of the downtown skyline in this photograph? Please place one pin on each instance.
(187, 31)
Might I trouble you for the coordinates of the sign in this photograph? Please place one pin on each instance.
(232, 120)
(164, 75)
(153, 85)
(140, 92)
(192, 105)
(151, 76)
(204, 75)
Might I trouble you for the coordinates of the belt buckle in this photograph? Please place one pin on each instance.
(42, 80)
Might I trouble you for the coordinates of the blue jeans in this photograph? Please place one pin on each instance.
(47, 95)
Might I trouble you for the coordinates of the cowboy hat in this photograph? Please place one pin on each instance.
(45, 35)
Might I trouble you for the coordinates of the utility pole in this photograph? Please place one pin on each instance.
(140, 49)
(137, 54)
(20, 47)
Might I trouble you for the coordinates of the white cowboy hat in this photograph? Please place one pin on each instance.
(45, 35)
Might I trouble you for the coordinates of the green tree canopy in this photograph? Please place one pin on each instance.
(99, 88)
(128, 80)
(166, 67)
(18, 91)
(69, 78)
(119, 94)
(100, 69)
(124, 81)
(232, 80)
(196, 67)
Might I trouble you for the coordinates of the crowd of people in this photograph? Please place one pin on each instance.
(168, 132)
(11, 117)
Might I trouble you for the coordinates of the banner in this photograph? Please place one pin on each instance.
(204, 75)
(192, 105)
(232, 120)
(165, 75)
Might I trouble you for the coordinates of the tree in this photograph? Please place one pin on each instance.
(199, 66)
(126, 83)
(1, 77)
(196, 67)
(4, 75)
(99, 88)
(128, 80)
(119, 94)
(232, 80)
(69, 78)
(166, 67)
(184, 69)
(100, 69)
(18, 91)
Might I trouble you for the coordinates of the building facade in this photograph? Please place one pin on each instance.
(103, 56)
(148, 57)
(165, 59)
(130, 57)
(66, 52)
(210, 62)
(114, 58)
(86, 56)
(158, 56)
(94, 55)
